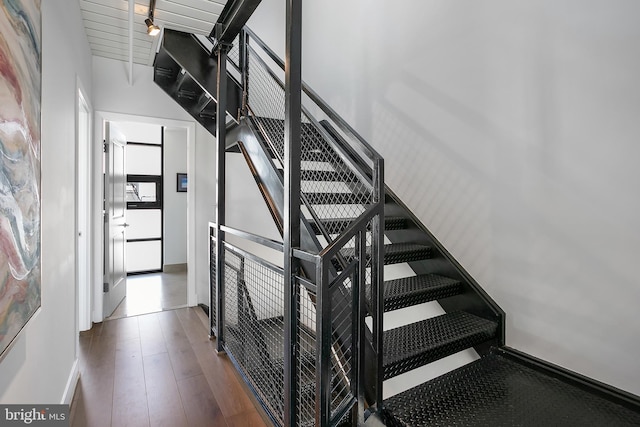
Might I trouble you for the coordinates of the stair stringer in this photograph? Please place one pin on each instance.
(474, 298)
(271, 184)
(185, 70)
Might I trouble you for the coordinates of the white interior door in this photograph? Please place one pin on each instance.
(115, 224)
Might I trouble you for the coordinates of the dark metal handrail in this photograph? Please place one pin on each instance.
(264, 241)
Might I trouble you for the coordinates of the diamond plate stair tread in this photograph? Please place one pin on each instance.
(414, 345)
(499, 392)
(395, 253)
(408, 291)
(336, 225)
(338, 198)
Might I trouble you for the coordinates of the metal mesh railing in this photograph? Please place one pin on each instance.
(306, 357)
(234, 53)
(344, 293)
(254, 325)
(341, 299)
(331, 189)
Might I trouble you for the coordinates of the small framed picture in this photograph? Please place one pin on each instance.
(181, 179)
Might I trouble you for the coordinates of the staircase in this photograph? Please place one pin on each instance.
(339, 179)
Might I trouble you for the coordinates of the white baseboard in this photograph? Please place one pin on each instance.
(174, 268)
(70, 389)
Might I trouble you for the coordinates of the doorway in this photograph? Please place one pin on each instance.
(188, 129)
(83, 210)
(156, 212)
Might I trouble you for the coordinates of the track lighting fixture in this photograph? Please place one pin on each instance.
(152, 29)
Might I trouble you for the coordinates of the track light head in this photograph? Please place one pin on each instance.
(152, 29)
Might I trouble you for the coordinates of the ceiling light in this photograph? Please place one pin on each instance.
(152, 29)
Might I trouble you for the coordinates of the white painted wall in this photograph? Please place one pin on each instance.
(43, 361)
(175, 204)
(510, 129)
(147, 133)
(247, 211)
(114, 94)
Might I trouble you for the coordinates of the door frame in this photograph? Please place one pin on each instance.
(100, 117)
(84, 218)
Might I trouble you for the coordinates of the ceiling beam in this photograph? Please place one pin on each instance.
(132, 6)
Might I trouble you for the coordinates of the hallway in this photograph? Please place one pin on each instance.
(158, 369)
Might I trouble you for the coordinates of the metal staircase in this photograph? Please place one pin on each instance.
(311, 343)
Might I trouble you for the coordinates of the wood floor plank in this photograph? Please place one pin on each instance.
(94, 404)
(163, 397)
(224, 382)
(122, 329)
(151, 337)
(199, 403)
(192, 325)
(184, 362)
(102, 351)
(203, 317)
(246, 419)
(96, 329)
(172, 330)
(129, 390)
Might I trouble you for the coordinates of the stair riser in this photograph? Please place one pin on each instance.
(411, 363)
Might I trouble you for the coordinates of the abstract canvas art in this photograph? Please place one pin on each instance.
(20, 97)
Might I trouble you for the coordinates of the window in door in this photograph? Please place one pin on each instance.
(144, 207)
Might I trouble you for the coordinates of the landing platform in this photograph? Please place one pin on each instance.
(498, 391)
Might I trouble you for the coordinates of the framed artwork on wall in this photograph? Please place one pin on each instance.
(181, 179)
(20, 213)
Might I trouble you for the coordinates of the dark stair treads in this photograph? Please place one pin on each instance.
(499, 392)
(339, 224)
(338, 198)
(414, 345)
(395, 253)
(408, 291)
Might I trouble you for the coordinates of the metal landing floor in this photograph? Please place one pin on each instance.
(496, 391)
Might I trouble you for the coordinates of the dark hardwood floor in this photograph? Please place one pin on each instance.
(159, 369)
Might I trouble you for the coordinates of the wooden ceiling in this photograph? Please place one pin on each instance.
(107, 24)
